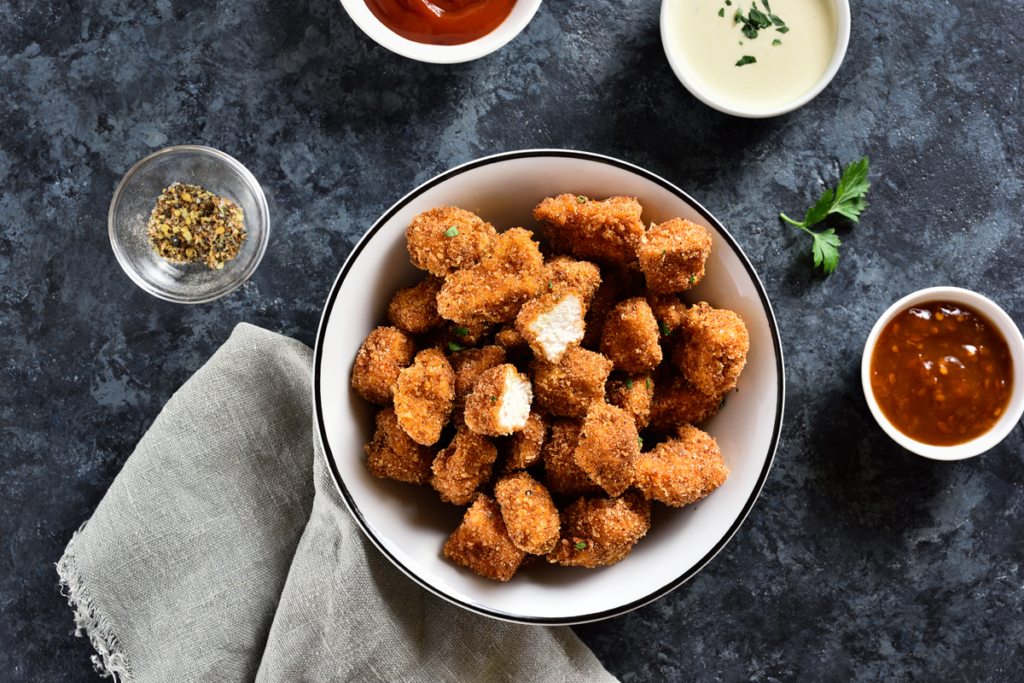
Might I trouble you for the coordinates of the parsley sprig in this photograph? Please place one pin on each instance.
(847, 200)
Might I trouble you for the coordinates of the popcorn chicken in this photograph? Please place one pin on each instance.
(630, 337)
(381, 358)
(677, 401)
(563, 273)
(460, 469)
(525, 445)
(568, 388)
(608, 448)
(393, 455)
(482, 544)
(496, 288)
(423, 396)
(607, 231)
(634, 395)
(597, 533)
(414, 309)
(552, 323)
(681, 470)
(529, 513)
(715, 350)
(451, 336)
(469, 364)
(668, 311)
(672, 255)
(448, 238)
(562, 476)
(500, 402)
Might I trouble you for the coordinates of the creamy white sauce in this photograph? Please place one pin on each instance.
(708, 47)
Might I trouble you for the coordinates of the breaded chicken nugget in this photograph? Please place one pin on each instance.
(681, 470)
(715, 350)
(509, 339)
(529, 513)
(564, 273)
(495, 290)
(525, 445)
(672, 255)
(482, 544)
(381, 357)
(460, 469)
(608, 448)
(630, 337)
(676, 401)
(393, 455)
(447, 238)
(668, 310)
(596, 533)
(500, 401)
(570, 387)
(562, 476)
(423, 396)
(634, 395)
(608, 294)
(414, 309)
(469, 364)
(552, 323)
(451, 336)
(606, 231)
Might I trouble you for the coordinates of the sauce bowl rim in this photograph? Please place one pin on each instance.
(1003, 323)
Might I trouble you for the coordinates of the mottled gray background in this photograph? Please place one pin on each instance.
(859, 562)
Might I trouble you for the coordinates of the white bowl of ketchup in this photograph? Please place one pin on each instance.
(936, 355)
(442, 31)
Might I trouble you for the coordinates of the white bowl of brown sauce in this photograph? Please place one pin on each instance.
(943, 373)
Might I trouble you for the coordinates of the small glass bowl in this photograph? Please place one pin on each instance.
(136, 196)
(1007, 328)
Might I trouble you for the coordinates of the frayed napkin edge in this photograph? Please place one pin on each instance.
(110, 662)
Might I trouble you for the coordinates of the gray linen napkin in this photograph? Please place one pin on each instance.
(220, 554)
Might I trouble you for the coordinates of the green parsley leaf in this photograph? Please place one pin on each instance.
(494, 399)
(728, 2)
(784, 29)
(776, 20)
(776, 42)
(664, 328)
(581, 546)
(721, 12)
(722, 404)
(551, 284)
(648, 384)
(746, 59)
(461, 331)
(693, 279)
(451, 232)
(847, 200)
(759, 18)
(629, 382)
(641, 441)
(581, 199)
(452, 346)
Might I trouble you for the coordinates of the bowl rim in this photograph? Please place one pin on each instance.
(364, 524)
(838, 55)
(1005, 325)
(503, 34)
(261, 205)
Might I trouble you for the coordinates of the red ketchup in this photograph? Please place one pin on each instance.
(441, 22)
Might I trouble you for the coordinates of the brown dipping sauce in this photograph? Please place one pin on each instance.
(941, 373)
(441, 22)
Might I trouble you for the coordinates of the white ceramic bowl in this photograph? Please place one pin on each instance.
(513, 25)
(410, 524)
(712, 100)
(998, 317)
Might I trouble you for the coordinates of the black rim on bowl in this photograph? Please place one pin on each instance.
(347, 497)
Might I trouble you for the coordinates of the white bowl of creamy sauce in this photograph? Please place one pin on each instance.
(755, 58)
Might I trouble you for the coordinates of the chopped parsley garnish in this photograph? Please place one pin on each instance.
(461, 331)
(746, 59)
(664, 328)
(451, 232)
(551, 284)
(581, 545)
(693, 279)
(721, 12)
(728, 2)
(581, 199)
(452, 346)
(847, 200)
(776, 42)
(629, 383)
(648, 384)
(494, 399)
(784, 29)
(722, 404)
(755, 21)
(641, 441)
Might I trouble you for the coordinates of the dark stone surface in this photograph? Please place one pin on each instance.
(861, 561)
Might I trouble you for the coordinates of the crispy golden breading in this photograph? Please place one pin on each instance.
(634, 395)
(630, 338)
(563, 273)
(393, 455)
(469, 364)
(608, 448)
(607, 296)
(468, 240)
(525, 445)
(668, 310)
(562, 476)
(606, 231)
(509, 339)
(482, 544)
(496, 288)
(570, 387)
(423, 396)
(552, 323)
(672, 255)
(460, 469)
(597, 533)
(380, 359)
(529, 513)
(676, 401)
(681, 470)
(450, 336)
(414, 309)
(715, 350)
(500, 402)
